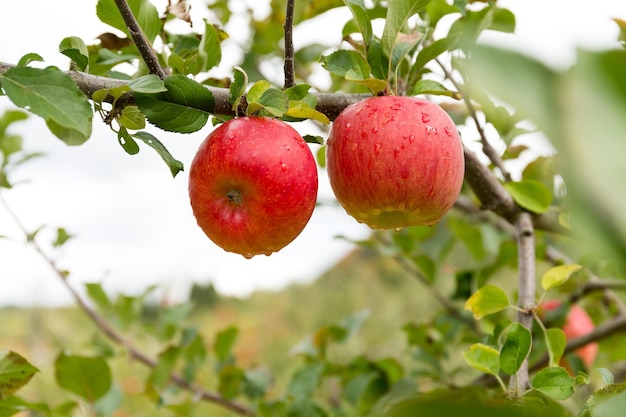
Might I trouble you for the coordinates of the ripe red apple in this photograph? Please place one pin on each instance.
(395, 161)
(253, 185)
(577, 324)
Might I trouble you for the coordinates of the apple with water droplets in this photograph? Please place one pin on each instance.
(253, 185)
(395, 161)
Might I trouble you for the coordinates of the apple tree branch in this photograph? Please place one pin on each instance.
(143, 45)
(105, 327)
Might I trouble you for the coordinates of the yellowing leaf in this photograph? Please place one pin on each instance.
(487, 300)
(558, 275)
(484, 358)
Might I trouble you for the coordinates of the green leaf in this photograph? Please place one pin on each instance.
(147, 84)
(487, 300)
(28, 58)
(231, 379)
(15, 405)
(210, 47)
(238, 87)
(600, 403)
(87, 377)
(398, 12)
(184, 108)
(346, 63)
(555, 382)
(305, 380)
(146, 14)
(160, 375)
(173, 164)
(127, 142)
(224, 342)
(52, 95)
(97, 295)
(434, 88)
(132, 118)
(433, 50)
(530, 194)
(76, 50)
(359, 12)
(6, 119)
(483, 358)
(299, 92)
(320, 156)
(356, 388)
(61, 238)
(15, 372)
(555, 343)
(558, 275)
(515, 349)
(262, 96)
(501, 72)
(300, 110)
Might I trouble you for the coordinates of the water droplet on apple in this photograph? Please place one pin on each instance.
(354, 146)
(283, 167)
(248, 255)
(395, 107)
(377, 147)
(374, 130)
(399, 229)
(268, 253)
(425, 117)
(447, 131)
(431, 130)
(388, 118)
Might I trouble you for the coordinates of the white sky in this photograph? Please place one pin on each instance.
(132, 221)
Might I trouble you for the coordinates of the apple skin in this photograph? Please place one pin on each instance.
(253, 185)
(395, 161)
(577, 324)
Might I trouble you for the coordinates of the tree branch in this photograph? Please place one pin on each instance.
(289, 52)
(526, 287)
(491, 193)
(143, 44)
(487, 148)
(103, 325)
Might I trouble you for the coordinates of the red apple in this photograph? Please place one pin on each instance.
(253, 185)
(577, 324)
(395, 162)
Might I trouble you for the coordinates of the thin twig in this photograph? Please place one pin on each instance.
(143, 44)
(103, 325)
(487, 148)
(526, 287)
(289, 52)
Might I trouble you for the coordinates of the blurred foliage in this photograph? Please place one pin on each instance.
(417, 321)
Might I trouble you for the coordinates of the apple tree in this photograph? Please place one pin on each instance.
(491, 347)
